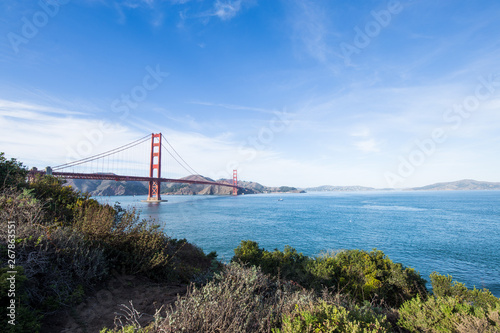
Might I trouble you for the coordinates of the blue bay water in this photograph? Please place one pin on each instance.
(451, 232)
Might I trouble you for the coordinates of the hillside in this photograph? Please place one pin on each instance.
(330, 188)
(111, 187)
(460, 185)
(108, 187)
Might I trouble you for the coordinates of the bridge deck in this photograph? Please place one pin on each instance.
(104, 176)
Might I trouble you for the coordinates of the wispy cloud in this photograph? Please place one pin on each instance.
(27, 110)
(138, 3)
(235, 107)
(40, 135)
(226, 10)
(312, 31)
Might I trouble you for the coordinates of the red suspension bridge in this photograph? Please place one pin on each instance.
(127, 158)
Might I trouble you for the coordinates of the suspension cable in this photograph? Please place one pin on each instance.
(192, 170)
(105, 154)
(182, 165)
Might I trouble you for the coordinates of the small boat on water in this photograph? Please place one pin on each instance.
(280, 199)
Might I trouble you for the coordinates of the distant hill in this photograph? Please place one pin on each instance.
(328, 188)
(111, 187)
(459, 185)
(108, 187)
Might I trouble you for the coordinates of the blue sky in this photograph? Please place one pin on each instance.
(301, 93)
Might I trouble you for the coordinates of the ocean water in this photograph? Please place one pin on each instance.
(451, 232)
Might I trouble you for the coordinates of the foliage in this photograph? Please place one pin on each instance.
(363, 275)
(67, 243)
(453, 308)
(447, 314)
(26, 318)
(442, 286)
(20, 206)
(325, 317)
(288, 264)
(240, 299)
(59, 201)
(12, 173)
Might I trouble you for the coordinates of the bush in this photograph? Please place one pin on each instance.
(447, 314)
(289, 264)
(135, 246)
(59, 201)
(371, 275)
(26, 318)
(443, 286)
(363, 275)
(237, 300)
(324, 317)
(453, 308)
(66, 243)
(12, 173)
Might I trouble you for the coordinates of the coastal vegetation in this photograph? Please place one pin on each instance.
(66, 245)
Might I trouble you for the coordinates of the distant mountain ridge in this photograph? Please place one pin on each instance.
(459, 185)
(111, 187)
(330, 188)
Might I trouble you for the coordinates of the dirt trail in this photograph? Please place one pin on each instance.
(99, 309)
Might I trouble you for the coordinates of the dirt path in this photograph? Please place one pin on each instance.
(100, 309)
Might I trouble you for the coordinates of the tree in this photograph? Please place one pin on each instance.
(12, 172)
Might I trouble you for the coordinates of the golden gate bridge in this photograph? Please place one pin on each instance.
(98, 167)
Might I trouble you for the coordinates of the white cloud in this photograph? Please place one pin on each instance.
(368, 146)
(39, 135)
(226, 10)
(236, 107)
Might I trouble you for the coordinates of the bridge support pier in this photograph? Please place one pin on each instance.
(235, 182)
(155, 164)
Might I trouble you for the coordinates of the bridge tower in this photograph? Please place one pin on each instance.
(235, 182)
(155, 164)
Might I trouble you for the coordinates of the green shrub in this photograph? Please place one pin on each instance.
(363, 275)
(372, 275)
(26, 318)
(330, 318)
(59, 201)
(443, 286)
(447, 314)
(12, 173)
